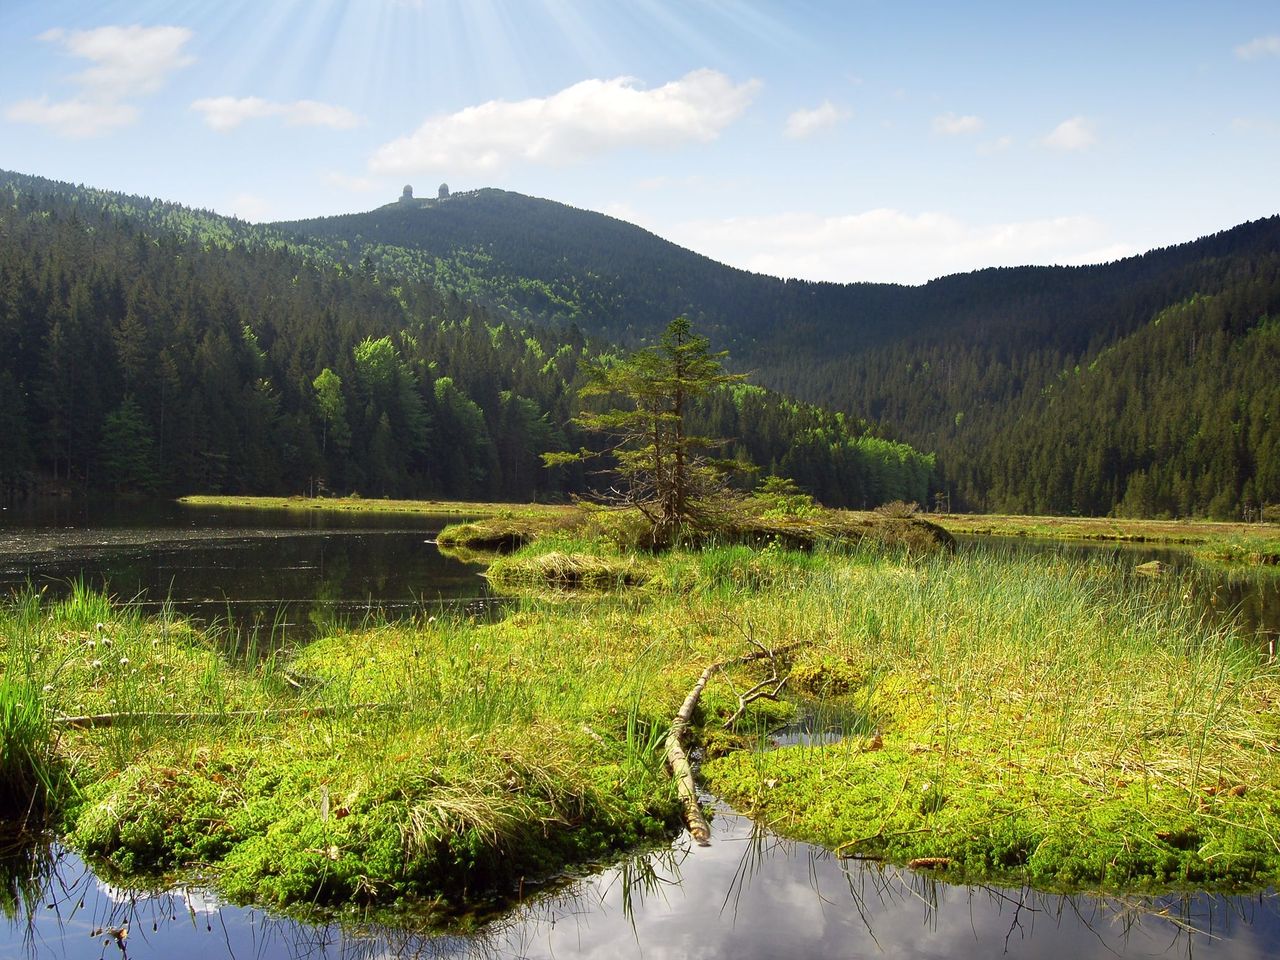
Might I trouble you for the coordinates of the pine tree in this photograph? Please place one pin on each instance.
(664, 469)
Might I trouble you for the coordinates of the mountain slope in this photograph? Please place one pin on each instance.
(955, 365)
(152, 347)
(620, 281)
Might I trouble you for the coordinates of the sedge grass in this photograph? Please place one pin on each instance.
(1045, 715)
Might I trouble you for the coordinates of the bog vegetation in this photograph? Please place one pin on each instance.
(1047, 719)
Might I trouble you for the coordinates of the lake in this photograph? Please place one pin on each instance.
(262, 573)
(748, 895)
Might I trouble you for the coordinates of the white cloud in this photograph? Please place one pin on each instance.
(1074, 134)
(227, 113)
(952, 125)
(583, 120)
(251, 207)
(623, 211)
(894, 246)
(127, 62)
(1260, 47)
(75, 118)
(805, 123)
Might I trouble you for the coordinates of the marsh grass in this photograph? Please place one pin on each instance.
(1184, 531)
(28, 765)
(1038, 714)
(1242, 550)
(1093, 727)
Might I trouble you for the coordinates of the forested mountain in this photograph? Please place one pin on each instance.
(983, 368)
(149, 347)
(433, 347)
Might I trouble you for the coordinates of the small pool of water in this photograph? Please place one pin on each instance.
(818, 723)
(748, 895)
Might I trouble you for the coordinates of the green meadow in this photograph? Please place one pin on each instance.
(1039, 719)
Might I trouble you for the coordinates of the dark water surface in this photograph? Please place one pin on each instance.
(749, 895)
(260, 571)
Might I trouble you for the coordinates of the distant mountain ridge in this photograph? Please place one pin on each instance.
(453, 328)
(605, 267)
(957, 365)
(150, 347)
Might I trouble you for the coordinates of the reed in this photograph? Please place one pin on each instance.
(28, 764)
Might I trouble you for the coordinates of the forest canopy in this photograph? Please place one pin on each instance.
(154, 349)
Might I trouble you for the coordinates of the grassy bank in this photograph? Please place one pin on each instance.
(1035, 719)
(750, 521)
(444, 508)
(443, 761)
(1042, 719)
(1177, 532)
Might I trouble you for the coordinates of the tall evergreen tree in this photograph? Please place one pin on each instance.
(664, 468)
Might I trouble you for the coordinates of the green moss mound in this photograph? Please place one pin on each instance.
(562, 570)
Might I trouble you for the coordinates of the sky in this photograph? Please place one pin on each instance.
(842, 141)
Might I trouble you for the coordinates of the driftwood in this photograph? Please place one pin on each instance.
(766, 689)
(96, 721)
(678, 759)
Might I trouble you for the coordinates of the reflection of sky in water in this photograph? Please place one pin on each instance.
(742, 898)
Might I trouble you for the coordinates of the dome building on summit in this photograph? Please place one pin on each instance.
(407, 197)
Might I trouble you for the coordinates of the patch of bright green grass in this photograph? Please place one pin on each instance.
(1045, 719)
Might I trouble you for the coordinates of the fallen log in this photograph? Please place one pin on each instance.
(678, 759)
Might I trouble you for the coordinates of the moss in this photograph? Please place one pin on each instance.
(509, 530)
(569, 571)
(824, 674)
(1040, 719)
(1000, 819)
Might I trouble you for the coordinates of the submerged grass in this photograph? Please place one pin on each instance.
(1046, 717)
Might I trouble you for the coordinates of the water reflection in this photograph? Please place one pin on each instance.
(749, 895)
(263, 573)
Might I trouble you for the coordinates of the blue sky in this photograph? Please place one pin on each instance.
(832, 141)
